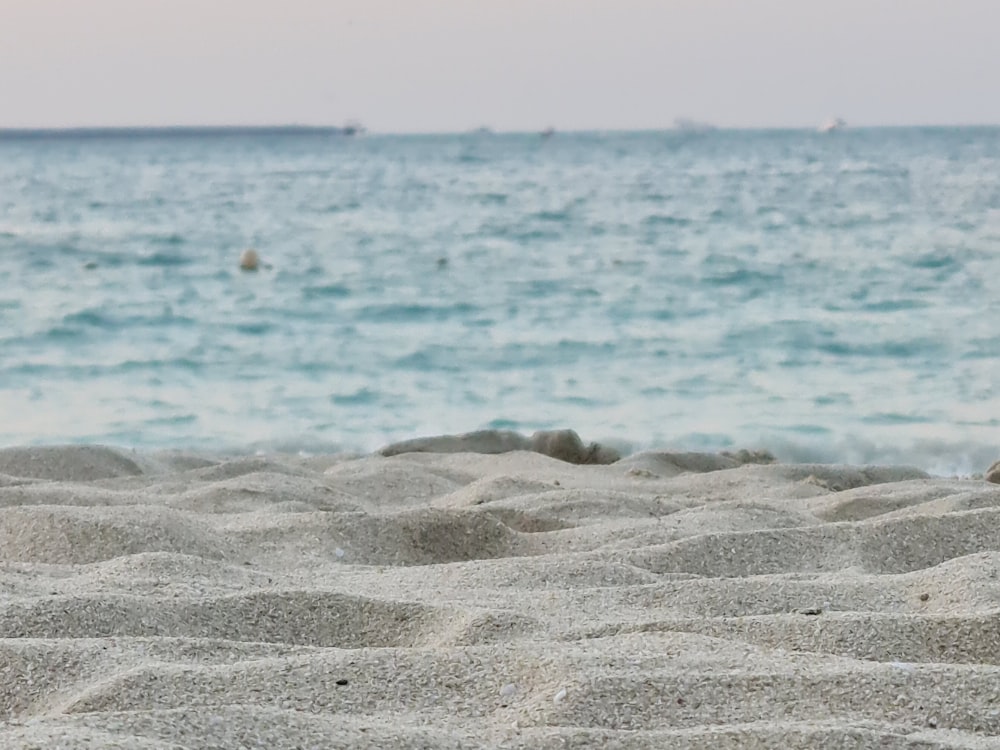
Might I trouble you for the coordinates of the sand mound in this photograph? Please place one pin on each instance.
(71, 463)
(65, 534)
(506, 598)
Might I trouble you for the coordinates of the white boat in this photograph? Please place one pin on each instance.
(831, 125)
(687, 125)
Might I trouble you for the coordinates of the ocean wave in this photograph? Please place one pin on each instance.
(359, 397)
(326, 291)
(414, 312)
(897, 349)
(894, 305)
(744, 277)
(665, 220)
(492, 199)
(53, 371)
(255, 327)
(102, 318)
(935, 456)
(430, 359)
(164, 259)
(938, 259)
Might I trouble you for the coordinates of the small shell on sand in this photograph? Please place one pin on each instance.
(249, 260)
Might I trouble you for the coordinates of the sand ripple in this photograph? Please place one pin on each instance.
(512, 600)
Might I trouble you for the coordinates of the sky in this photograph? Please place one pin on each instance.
(453, 65)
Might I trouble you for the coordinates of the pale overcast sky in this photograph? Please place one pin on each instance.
(446, 65)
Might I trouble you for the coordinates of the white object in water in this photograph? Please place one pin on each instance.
(338, 552)
(249, 260)
(831, 125)
(560, 696)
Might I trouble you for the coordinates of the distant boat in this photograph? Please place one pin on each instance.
(353, 127)
(687, 125)
(832, 125)
(548, 132)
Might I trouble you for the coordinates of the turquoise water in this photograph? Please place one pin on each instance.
(826, 296)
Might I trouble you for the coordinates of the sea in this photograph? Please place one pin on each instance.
(824, 296)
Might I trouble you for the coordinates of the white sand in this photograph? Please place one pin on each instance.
(462, 600)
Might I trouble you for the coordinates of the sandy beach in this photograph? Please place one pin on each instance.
(462, 600)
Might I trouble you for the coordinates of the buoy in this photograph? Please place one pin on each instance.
(249, 260)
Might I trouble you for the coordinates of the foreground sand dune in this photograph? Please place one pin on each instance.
(464, 600)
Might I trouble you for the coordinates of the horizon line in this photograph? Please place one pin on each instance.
(356, 128)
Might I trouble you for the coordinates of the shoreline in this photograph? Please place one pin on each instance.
(938, 458)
